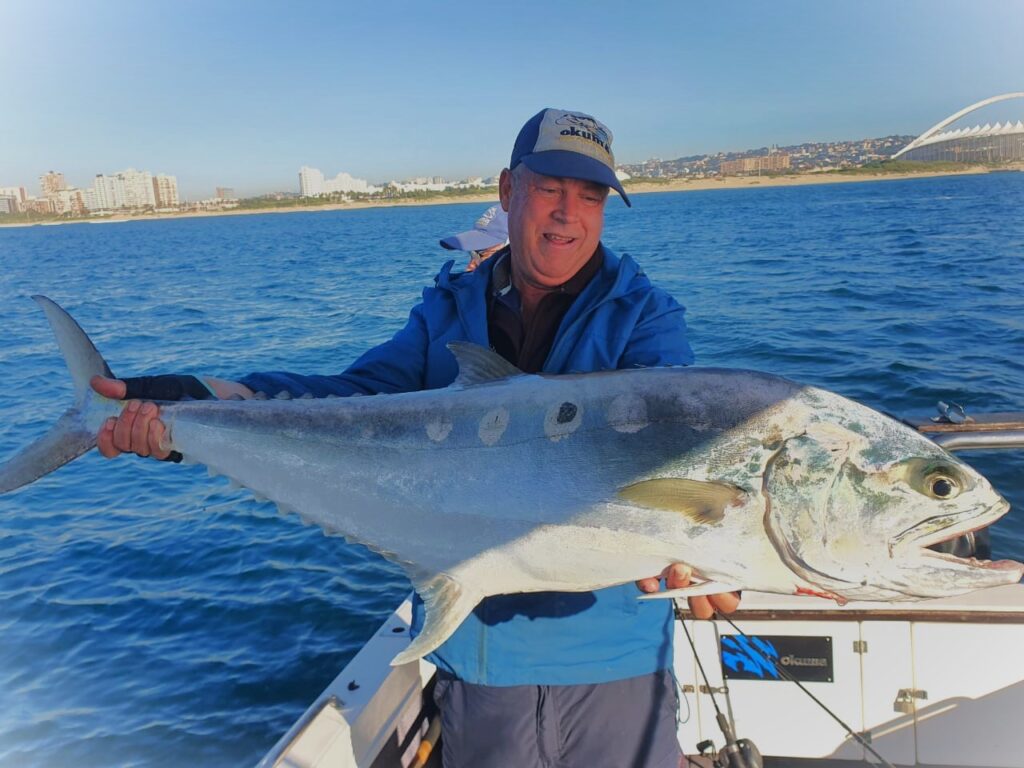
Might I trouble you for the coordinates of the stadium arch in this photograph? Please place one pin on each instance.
(934, 135)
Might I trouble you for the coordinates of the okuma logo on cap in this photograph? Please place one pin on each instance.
(575, 132)
(585, 127)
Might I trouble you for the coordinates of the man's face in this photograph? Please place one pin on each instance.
(554, 224)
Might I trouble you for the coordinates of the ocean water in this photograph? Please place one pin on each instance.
(150, 616)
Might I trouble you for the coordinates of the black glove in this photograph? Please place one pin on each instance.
(170, 386)
(167, 387)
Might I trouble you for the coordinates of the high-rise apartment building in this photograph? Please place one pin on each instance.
(138, 188)
(165, 191)
(313, 184)
(128, 189)
(17, 195)
(108, 193)
(70, 201)
(772, 162)
(52, 183)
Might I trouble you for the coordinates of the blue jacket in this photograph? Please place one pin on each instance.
(619, 321)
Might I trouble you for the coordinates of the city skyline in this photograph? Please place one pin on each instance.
(244, 94)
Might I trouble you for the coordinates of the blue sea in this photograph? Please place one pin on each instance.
(151, 616)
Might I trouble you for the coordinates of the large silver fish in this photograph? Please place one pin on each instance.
(506, 482)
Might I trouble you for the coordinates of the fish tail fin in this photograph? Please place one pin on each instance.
(447, 604)
(69, 437)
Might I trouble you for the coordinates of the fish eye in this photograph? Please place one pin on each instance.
(942, 487)
(937, 480)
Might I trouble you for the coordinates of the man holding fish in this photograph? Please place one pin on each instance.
(540, 679)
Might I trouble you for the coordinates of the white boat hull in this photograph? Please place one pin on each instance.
(953, 668)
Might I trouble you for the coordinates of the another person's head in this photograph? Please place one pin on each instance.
(554, 191)
(488, 236)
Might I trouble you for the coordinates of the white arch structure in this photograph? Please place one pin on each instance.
(935, 129)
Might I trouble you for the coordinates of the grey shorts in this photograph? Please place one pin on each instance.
(623, 724)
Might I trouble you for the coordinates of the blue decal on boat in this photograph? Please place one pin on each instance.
(747, 654)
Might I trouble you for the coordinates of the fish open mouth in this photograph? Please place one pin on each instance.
(924, 535)
(975, 563)
(938, 529)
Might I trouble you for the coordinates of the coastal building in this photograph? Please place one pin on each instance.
(43, 205)
(52, 182)
(107, 193)
(17, 194)
(225, 193)
(313, 184)
(129, 189)
(999, 143)
(138, 188)
(68, 201)
(419, 185)
(774, 162)
(8, 204)
(165, 191)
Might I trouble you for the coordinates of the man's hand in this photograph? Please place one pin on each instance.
(137, 430)
(677, 576)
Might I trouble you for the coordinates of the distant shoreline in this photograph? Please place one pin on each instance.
(674, 185)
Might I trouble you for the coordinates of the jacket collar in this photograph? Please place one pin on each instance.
(614, 279)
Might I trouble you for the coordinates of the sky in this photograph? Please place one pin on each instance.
(242, 94)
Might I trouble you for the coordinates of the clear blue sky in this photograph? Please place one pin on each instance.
(242, 94)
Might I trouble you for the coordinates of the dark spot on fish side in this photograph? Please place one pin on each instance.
(567, 412)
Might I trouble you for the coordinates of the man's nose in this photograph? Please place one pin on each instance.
(568, 206)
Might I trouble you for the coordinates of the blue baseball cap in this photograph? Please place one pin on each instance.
(491, 229)
(557, 142)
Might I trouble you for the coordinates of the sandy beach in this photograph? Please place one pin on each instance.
(632, 188)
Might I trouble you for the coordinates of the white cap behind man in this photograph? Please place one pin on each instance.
(491, 229)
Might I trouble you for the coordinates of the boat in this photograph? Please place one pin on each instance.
(784, 681)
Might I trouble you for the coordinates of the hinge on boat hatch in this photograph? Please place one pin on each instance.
(905, 702)
(860, 646)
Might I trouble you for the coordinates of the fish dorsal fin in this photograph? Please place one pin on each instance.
(446, 604)
(699, 500)
(479, 365)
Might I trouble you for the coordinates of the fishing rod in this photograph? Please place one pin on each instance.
(737, 753)
(782, 672)
(680, 615)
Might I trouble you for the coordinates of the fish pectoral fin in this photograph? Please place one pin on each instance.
(702, 501)
(694, 590)
(446, 604)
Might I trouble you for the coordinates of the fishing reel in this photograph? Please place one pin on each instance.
(741, 753)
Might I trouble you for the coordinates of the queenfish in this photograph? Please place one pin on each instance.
(506, 482)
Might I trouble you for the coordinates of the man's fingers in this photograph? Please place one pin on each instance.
(706, 607)
(105, 439)
(725, 602)
(140, 428)
(123, 427)
(677, 576)
(701, 608)
(652, 584)
(115, 389)
(156, 437)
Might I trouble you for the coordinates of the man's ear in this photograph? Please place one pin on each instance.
(505, 188)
